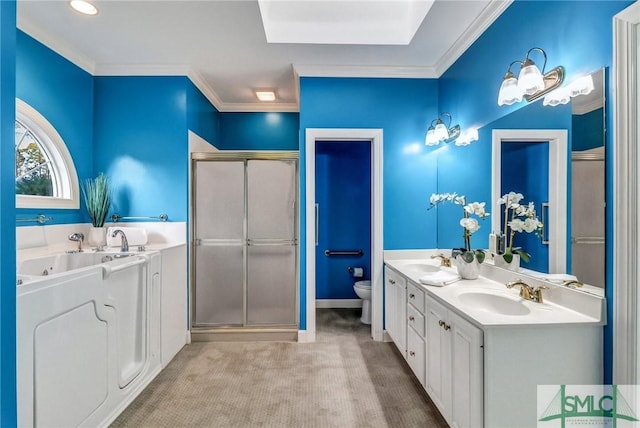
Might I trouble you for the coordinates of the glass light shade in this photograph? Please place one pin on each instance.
(557, 97)
(530, 79)
(467, 137)
(441, 132)
(430, 139)
(582, 86)
(509, 92)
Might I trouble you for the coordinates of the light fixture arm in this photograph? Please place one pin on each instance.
(544, 54)
(450, 119)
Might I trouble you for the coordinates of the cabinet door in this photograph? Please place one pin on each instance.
(467, 360)
(395, 287)
(415, 353)
(438, 353)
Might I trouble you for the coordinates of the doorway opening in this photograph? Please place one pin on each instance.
(344, 136)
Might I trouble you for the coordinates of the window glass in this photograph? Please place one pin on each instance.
(45, 174)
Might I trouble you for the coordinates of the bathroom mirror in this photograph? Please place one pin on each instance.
(575, 214)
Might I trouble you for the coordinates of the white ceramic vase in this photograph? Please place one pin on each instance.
(468, 270)
(97, 237)
(514, 266)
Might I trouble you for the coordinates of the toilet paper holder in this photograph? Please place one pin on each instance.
(357, 272)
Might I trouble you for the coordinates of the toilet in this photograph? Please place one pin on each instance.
(363, 290)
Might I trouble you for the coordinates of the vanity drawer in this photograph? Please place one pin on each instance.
(415, 296)
(415, 320)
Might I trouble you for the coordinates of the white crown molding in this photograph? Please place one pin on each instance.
(200, 83)
(490, 13)
(310, 70)
(259, 107)
(61, 48)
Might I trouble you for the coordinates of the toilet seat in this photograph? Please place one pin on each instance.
(363, 284)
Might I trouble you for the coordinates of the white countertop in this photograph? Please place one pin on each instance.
(583, 308)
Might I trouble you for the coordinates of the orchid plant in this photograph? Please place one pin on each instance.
(518, 218)
(469, 224)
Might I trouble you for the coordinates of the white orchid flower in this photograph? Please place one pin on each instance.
(471, 224)
(531, 224)
(512, 199)
(476, 208)
(434, 199)
(516, 225)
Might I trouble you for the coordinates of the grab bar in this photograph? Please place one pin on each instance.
(40, 219)
(588, 240)
(117, 217)
(343, 253)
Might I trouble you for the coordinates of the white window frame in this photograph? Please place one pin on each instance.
(63, 171)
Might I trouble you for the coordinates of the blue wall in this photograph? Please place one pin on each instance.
(575, 34)
(403, 108)
(63, 94)
(259, 131)
(202, 117)
(7, 215)
(141, 143)
(343, 192)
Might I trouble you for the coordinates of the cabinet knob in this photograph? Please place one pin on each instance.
(391, 281)
(412, 296)
(413, 354)
(411, 318)
(440, 323)
(447, 326)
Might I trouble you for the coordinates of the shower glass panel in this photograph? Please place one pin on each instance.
(219, 231)
(271, 280)
(245, 240)
(271, 264)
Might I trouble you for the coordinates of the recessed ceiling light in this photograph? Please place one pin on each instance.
(266, 95)
(83, 7)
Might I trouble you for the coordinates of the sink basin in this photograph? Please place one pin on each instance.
(494, 303)
(421, 267)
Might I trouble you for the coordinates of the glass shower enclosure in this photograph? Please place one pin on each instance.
(244, 240)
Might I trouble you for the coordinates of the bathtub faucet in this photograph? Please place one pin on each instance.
(124, 247)
(77, 237)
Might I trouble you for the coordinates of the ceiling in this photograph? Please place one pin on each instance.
(222, 47)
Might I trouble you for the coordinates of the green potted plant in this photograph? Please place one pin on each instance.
(467, 259)
(97, 199)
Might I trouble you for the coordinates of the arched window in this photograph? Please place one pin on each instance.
(45, 174)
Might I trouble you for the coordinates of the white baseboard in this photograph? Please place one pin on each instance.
(338, 303)
(306, 336)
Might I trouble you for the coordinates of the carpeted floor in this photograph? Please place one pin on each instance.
(345, 379)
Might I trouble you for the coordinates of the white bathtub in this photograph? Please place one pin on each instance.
(88, 336)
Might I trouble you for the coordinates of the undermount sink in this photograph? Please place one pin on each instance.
(493, 303)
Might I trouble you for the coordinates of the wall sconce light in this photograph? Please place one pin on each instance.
(441, 133)
(467, 137)
(531, 82)
(581, 86)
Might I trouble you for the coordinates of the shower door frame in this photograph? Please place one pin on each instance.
(238, 156)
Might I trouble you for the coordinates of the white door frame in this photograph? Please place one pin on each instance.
(626, 203)
(344, 134)
(558, 159)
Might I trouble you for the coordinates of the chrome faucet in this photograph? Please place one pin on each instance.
(526, 291)
(124, 246)
(444, 260)
(77, 237)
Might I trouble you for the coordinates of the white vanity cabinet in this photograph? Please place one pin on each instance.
(395, 308)
(454, 365)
